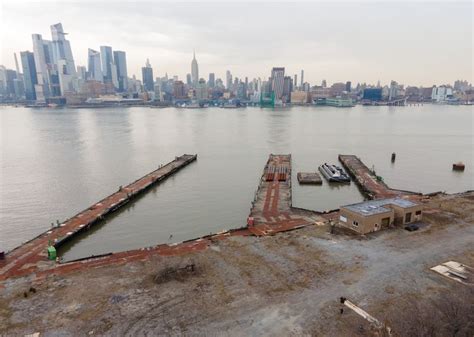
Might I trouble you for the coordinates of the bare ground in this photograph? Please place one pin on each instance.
(284, 285)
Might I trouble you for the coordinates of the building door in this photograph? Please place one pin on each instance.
(385, 222)
(408, 217)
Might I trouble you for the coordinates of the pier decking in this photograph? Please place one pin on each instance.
(272, 210)
(373, 188)
(32, 256)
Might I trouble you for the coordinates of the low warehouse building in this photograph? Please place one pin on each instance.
(371, 216)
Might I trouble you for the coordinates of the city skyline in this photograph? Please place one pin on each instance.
(322, 54)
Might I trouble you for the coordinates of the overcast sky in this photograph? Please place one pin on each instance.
(419, 43)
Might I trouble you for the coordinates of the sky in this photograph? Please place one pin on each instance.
(412, 42)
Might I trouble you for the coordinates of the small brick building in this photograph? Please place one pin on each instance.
(371, 216)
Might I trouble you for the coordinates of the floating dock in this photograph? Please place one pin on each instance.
(309, 178)
(26, 258)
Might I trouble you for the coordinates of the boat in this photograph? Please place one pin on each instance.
(334, 173)
(458, 166)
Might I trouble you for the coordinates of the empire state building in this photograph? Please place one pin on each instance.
(194, 70)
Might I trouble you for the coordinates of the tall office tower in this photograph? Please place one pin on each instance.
(295, 81)
(42, 58)
(107, 59)
(29, 74)
(114, 75)
(277, 79)
(324, 84)
(194, 70)
(348, 86)
(94, 66)
(287, 88)
(147, 76)
(212, 80)
(82, 72)
(62, 49)
(302, 78)
(228, 79)
(120, 60)
(17, 68)
(201, 90)
(188, 79)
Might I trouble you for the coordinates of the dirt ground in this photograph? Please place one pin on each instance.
(288, 284)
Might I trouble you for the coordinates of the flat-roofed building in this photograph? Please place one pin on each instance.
(371, 216)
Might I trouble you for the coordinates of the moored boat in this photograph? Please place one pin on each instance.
(334, 173)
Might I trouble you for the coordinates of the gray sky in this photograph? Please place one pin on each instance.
(419, 43)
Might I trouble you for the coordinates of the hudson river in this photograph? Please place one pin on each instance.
(56, 162)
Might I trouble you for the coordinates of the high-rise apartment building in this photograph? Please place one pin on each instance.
(212, 80)
(228, 80)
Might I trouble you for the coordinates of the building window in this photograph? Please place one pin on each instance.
(355, 224)
(418, 212)
(408, 217)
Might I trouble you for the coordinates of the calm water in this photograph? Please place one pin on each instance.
(55, 163)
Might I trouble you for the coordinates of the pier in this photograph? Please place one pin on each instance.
(372, 186)
(272, 209)
(32, 256)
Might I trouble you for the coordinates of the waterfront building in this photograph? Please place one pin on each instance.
(94, 66)
(194, 70)
(287, 88)
(299, 97)
(374, 215)
(120, 61)
(147, 76)
(372, 94)
(29, 74)
(107, 61)
(337, 89)
(441, 93)
(295, 81)
(277, 81)
(212, 80)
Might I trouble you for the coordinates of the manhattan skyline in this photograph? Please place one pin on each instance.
(378, 41)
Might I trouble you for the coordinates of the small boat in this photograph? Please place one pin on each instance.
(458, 166)
(334, 173)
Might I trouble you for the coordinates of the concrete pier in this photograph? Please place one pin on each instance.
(28, 257)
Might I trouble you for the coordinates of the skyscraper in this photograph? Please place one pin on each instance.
(302, 78)
(120, 60)
(94, 66)
(107, 61)
(147, 76)
(212, 80)
(277, 80)
(194, 70)
(62, 49)
(295, 81)
(41, 57)
(29, 74)
(189, 81)
(228, 79)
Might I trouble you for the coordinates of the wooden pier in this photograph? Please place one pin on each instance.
(28, 257)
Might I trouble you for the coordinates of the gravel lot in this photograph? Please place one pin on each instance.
(283, 285)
